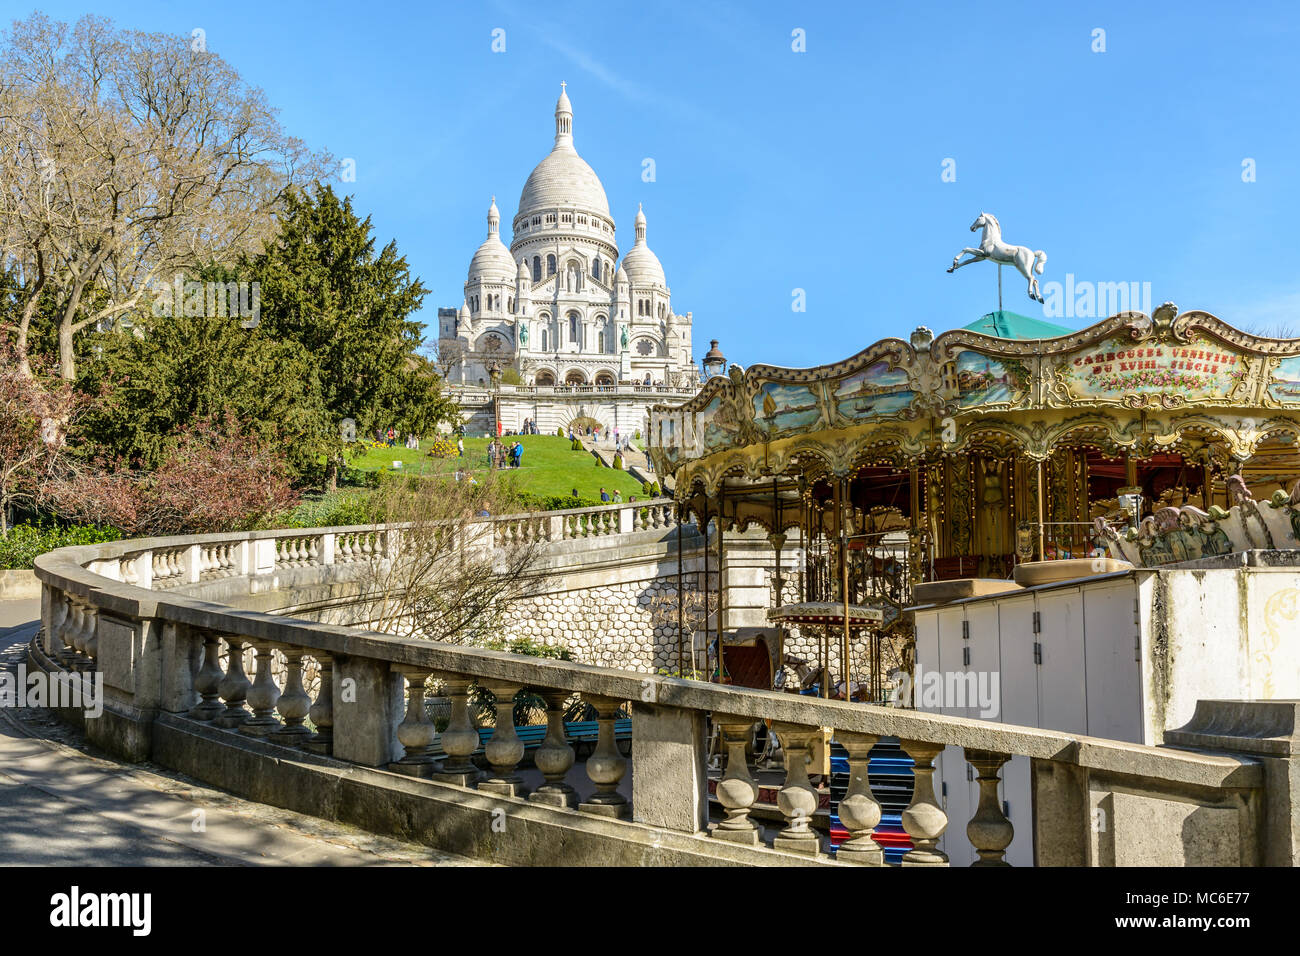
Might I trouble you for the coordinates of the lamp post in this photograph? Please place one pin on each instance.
(494, 377)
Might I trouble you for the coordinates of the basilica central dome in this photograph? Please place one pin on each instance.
(563, 178)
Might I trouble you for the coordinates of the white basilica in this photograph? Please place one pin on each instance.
(557, 305)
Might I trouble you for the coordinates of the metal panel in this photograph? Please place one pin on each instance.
(1018, 799)
(1062, 692)
(1114, 676)
(985, 663)
(1019, 674)
(957, 803)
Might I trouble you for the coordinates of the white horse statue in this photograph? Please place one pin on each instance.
(992, 247)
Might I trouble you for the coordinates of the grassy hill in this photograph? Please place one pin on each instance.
(549, 467)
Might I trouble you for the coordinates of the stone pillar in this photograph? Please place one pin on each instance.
(460, 739)
(262, 696)
(798, 799)
(181, 650)
(322, 709)
(859, 810)
(606, 766)
(989, 830)
(294, 703)
(234, 686)
(416, 732)
(504, 749)
(670, 785)
(736, 790)
(924, 820)
(1267, 731)
(367, 706)
(208, 680)
(554, 757)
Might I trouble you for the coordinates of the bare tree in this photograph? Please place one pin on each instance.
(127, 159)
(449, 573)
(446, 356)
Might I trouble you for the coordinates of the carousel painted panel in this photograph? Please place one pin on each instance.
(985, 380)
(877, 391)
(716, 424)
(1200, 371)
(782, 408)
(1284, 388)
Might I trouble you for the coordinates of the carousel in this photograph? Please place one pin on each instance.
(971, 462)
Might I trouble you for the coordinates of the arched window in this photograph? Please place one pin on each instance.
(600, 341)
(537, 268)
(550, 266)
(595, 268)
(573, 326)
(544, 378)
(544, 342)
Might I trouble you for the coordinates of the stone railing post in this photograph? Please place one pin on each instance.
(234, 685)
(1267, 731)
(797, 799)
(208, 680)
(859, 810)
(504, 749)
(670, 785)
(327, 542)
(367, 707)
(294, 703)
(605, 766)
(554, 757)
(460, 739)
(416, 732)
(989, 830)
(625, 516)
(322, 708)
(263, 695)
(924, 820)
(737, 790)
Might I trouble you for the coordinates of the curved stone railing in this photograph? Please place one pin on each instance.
(193, 685)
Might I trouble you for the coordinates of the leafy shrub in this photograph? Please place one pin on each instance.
(532, 502)
(26, 541)
(618, 461)
(654, 489)
(559, 432)
(576, 446)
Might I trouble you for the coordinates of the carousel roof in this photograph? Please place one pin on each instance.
(1007, 385)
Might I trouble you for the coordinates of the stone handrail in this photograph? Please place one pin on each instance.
(169, 698)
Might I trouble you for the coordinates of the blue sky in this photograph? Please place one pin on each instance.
(821, 170)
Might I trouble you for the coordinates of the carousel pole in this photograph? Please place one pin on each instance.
(841, 493)
(704, 527)
(780, 585)
(1042, 531)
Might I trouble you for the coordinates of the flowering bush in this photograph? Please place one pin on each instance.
(442, 448)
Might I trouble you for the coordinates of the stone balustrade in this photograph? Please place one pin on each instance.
(365, 750)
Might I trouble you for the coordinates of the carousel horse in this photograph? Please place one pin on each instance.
(992, 247)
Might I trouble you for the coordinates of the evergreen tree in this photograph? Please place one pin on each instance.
(324, 288)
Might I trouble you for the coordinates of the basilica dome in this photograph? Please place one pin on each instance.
(640, 263)
(563, 178)
(492, 260)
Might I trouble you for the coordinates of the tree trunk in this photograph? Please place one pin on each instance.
(332, 474)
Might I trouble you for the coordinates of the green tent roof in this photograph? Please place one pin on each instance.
(1012, 325)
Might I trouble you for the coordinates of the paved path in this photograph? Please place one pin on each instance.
(59, 804)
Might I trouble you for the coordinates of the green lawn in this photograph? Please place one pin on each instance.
(550, 466)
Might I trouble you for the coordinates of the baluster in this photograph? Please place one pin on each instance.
(554, 757)
(322, 708)
(989, 830)
(263, 695)
(797, 799)
(314, 551)
(737, 790)
(173, 565)
(294, 703)
(208, 680)
(460, 739)
(90, 639)
(71, 634)
(924, 820)
(235, 685)
(606, 766)
(859, 810)
(504, 749)
(416, 732)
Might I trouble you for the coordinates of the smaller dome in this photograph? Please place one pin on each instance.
(523, 272)
(642, 265)
(492, 261)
